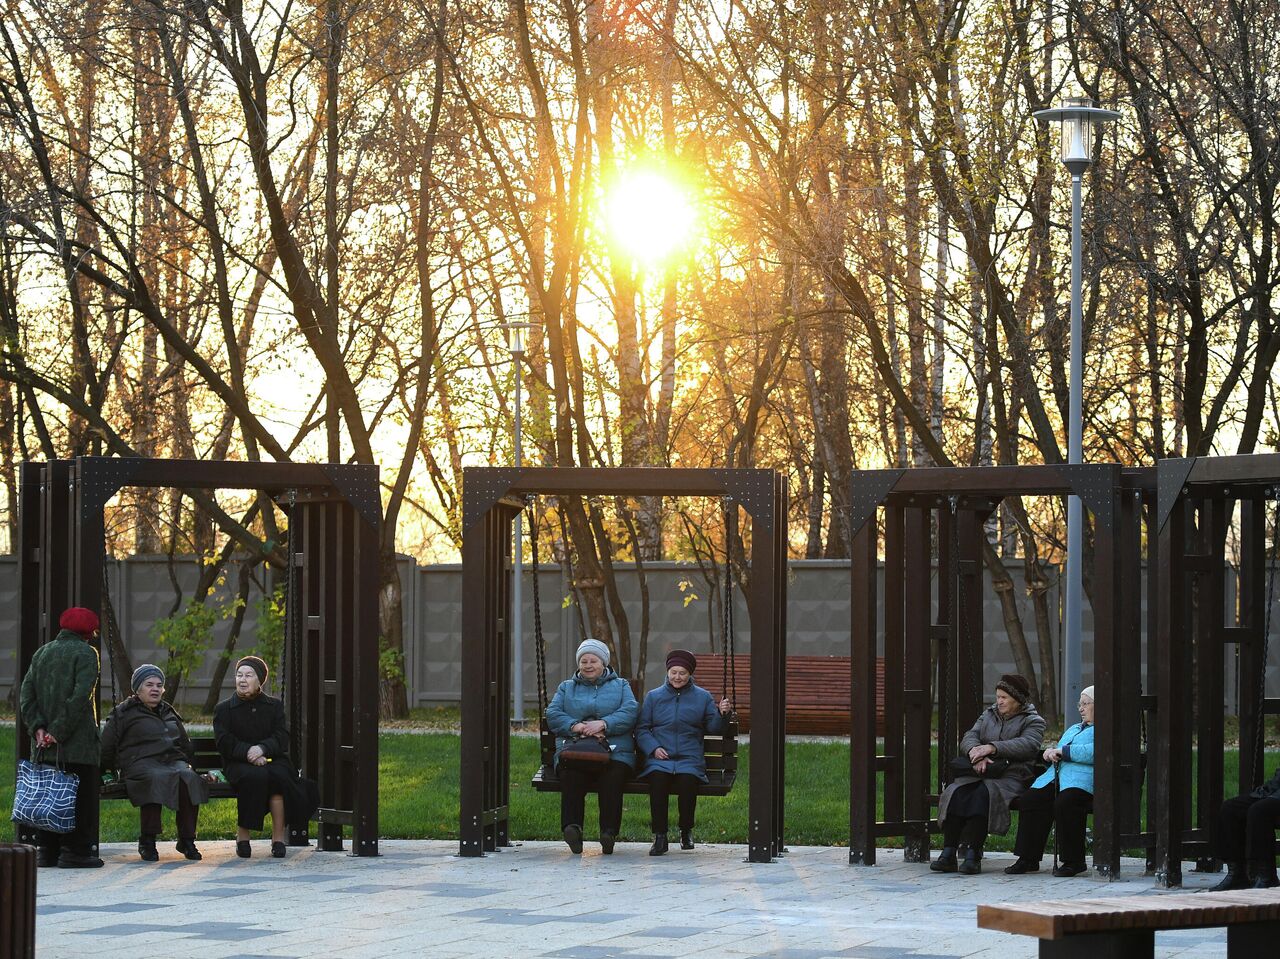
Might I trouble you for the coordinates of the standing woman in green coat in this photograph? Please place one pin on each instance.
(60, 706)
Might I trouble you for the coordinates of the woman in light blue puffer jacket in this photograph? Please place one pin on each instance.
(594, 703)
(1061, 797)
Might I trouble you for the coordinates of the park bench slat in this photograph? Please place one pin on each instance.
(819, 690)
(1058, 918)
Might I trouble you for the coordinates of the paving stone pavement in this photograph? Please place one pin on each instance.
(537, 900)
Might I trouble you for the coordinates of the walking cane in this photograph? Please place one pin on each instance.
(1057, 768)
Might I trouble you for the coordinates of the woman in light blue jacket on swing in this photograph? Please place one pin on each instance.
(1062, 797)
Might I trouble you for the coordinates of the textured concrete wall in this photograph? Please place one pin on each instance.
(684, 612)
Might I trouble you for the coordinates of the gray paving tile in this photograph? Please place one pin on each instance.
(671, 932)
(123, 907)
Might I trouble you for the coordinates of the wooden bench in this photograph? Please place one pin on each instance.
(1124, 928)
(721, 753)
(207, 759)
(818, 692)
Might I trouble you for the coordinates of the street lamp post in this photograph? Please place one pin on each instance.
(1077, 116)
(515, 345)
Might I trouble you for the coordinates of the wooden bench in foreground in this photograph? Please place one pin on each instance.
(1124, 928)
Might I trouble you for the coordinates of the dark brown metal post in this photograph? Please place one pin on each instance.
(862, 705)
(917, 698)
(1170, 775)
(768, 675)
(1251, 642)
(1110, 675)
(898, 581)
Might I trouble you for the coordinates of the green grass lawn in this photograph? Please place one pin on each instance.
(418, 783)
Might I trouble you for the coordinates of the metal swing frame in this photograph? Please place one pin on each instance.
(492, 498)
(331, 663)
(720, 750)
(961, 499)
(1193, 628)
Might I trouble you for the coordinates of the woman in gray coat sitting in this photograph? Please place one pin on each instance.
(146, 740)
(1000, 749)
(673, 721)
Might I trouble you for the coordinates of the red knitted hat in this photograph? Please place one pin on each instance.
(79, 620)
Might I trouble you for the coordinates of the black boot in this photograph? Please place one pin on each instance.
(607, 839)
(972, 864)
(573, 837)
(1237, 877)
(188, 848)
(660, 845)
(1022, 865)
(1264, 874)
(147, 848)
(47, 856)
(946, 861)
(686, 838)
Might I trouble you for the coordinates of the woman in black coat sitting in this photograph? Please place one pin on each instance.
(254, 742)
(145, 739)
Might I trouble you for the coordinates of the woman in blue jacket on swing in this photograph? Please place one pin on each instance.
(594, 703)
(1061, 797)
(673, 721)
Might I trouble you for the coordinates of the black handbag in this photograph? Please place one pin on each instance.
(586, 753)
(960, 766)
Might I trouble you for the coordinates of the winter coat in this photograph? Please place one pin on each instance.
(1075, 769)
(238, 726)
(1269, 789)
(153, 752)
(60, 696)
(676, 720)
(1017, 739)
(609, 698)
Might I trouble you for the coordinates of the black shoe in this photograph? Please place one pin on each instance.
(277, 850)
(972, 863)
(660, 844)
(76, 860)
(607, 839)
(686, 838)
(46, 857)
(1237, 877)
(1069, 869)
(243, 849)
(946, 861)
(573, 836)
(1022, 865)
(147, 849)
(1264, 875)
(188, 848)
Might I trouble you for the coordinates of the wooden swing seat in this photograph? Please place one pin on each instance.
(721, 752)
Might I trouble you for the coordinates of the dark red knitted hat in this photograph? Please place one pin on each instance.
(79, 620)
(682, 657)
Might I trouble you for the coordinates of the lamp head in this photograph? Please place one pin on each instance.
(516, 331)
(1077, 117)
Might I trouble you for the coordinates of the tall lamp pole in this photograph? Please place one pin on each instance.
(1077, 117)
(515, 345)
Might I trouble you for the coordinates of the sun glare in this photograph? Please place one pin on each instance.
(650, 216)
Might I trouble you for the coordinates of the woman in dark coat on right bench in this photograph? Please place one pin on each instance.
(253, 739)
(1247, 838)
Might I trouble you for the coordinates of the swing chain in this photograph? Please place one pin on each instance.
(290, 601)
(110, 623)
(540, 642)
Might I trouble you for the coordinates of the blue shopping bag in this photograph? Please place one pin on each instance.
(45, 797)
